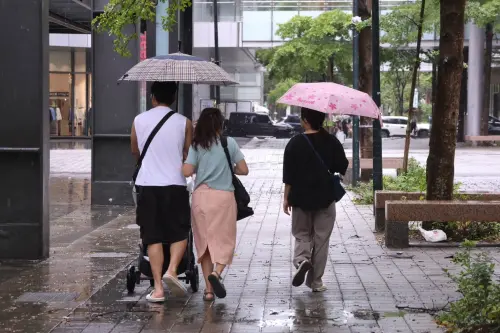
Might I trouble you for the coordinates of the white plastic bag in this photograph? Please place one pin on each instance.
(433, 236)
(190, 188)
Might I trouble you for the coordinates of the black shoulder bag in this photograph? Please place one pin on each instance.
(240, 193)
(338, 189)
(144, 150)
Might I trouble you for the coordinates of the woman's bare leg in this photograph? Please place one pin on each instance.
(207, 267)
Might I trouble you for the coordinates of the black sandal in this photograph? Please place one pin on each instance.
(215, 281)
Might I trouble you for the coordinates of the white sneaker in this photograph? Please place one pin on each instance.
(320, 289)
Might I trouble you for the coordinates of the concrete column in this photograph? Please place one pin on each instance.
(186, 36)
(24, 132)
(115, 107)
(475, 84)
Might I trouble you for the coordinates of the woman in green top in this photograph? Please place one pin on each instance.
(213, 207)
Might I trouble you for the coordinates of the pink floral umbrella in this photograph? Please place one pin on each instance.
(330, 98)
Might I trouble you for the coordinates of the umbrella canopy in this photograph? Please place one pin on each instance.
(179, 67)
(331, 98)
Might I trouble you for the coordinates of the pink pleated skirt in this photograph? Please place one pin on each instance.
(214, 224)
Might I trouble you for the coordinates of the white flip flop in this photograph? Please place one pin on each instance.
(174, 285)
(152, 299)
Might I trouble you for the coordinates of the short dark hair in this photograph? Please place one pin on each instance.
(314, 118)
(164, 92)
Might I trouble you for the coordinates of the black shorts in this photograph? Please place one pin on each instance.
(163, 214)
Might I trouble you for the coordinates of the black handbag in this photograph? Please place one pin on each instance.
(240, 193)
(338, 189)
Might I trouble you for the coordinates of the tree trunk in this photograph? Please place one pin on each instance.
(463, 100)
(365, 84)
(416, 67)
(441, 160)
(488, 55)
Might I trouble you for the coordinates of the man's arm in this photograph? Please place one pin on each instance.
(133, 144)
(188, 138)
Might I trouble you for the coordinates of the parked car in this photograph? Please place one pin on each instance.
(294, 121)
(494, 128)
(251, 124)
(494, 121)
(396, 126)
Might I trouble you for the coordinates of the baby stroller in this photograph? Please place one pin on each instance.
(187, 267)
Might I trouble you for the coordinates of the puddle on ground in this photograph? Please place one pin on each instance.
(291, 318)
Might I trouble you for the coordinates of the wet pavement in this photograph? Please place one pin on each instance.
(81, 288)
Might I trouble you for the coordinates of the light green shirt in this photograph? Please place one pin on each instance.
(211, 166)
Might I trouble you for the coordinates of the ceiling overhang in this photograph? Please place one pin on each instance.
(70, 16)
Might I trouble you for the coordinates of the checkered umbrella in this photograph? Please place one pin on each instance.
(179, 67)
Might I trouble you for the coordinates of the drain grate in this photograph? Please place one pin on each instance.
(41, 297)
(107, 255)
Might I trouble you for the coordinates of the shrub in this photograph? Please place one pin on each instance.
(479, 309)
(460, 231)
(415, 181)
(412, 181)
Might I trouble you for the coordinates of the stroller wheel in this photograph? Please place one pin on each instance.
(131, 279)
(194, 279)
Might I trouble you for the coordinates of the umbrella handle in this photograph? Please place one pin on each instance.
(177, 94)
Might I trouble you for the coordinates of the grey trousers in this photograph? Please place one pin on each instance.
(312, 231)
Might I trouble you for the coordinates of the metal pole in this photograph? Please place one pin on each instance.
(377, 139)
(355, 80)
(216, 46)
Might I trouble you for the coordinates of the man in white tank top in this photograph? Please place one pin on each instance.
(163, 211)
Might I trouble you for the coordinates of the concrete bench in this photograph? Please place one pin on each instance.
(479, 138)
(399, 213)
(381, 197)
(367, 163)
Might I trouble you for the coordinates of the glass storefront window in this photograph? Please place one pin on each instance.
(60, 104)
(60, 61)
(80, 104)
(81, 61)
(70, 93)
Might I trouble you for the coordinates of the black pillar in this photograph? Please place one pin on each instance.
(114, 109)
(186, 93)
(24, 137)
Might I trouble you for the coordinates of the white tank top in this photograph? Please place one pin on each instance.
(162, 164)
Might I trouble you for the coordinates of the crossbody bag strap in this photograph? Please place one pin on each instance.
(223, 141)
(148, 142)
(316, 153)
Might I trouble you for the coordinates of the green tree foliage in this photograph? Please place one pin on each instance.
(280, 89)
(118, 14)
(316, 49)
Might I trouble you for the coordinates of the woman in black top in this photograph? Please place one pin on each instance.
(309, 196)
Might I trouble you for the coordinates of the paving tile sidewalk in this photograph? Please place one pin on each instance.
(371, 289)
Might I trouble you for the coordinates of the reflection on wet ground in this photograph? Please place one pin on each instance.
(70, 144)
(81, 288)
(35, 296)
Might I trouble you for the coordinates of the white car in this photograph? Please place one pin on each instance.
(396, 126)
